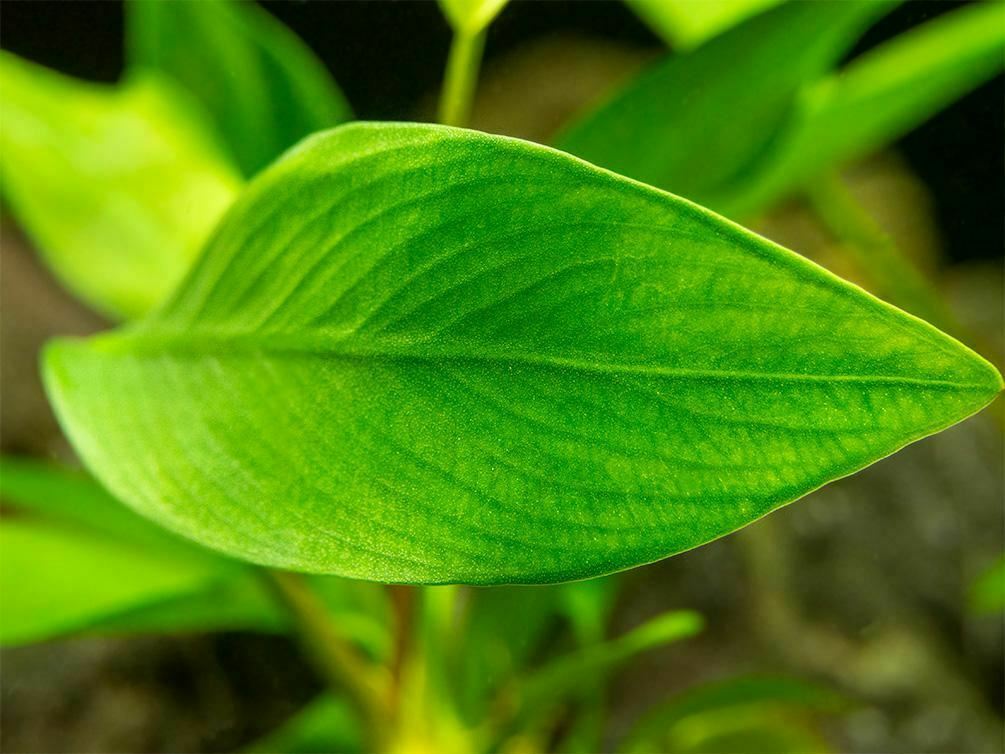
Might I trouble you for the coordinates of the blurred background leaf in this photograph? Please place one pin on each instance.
(262, 85)
(117, 186)
(688, 23)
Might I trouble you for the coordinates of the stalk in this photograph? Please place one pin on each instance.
(346, 672)
(461, 77)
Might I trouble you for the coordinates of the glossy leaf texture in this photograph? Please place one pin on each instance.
(687, 23)
(874, 100)
(74, 559)
(471, 16)
(422, 354)
(263, 86)
(691, 125)
(118, 187)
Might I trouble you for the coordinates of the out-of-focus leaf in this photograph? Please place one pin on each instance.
(575, 674)
(693, 123)
(263, 86)
(875, 99)
(770, 713)
(471, 16)
(118, 187)
(688, 23)
(413, 353)
(175, 586)
(504, 627)
(988, 593)
(325, 725)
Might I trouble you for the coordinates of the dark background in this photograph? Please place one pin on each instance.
(388, 54)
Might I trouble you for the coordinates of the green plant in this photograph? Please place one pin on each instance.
(421, 354)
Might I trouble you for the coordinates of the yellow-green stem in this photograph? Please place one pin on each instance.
(341, 666)
(461, 77)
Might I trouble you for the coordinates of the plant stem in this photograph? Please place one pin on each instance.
(333, 656)
(403, 601)
(461, 76)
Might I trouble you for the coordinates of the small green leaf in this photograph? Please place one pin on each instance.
(692, 125)
(875, 99)
(414, 353)
(688, 23)
(471, 16)
(987, 595)
(263, 86)
(117, 186)
(326, 724)
(769, 714)
(576, 674)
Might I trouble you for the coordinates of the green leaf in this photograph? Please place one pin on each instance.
(769, 714)
(88, 537)
(117, 186)
(414, 353)
(987, 595)
(876, 99)
(326, 724)
(263, 86)
(471, 16)
(688, 23)
(692, 125)
(576, 674)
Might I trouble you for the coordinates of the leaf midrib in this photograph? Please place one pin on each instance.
(338, 346)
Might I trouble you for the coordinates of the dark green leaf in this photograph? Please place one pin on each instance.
(325, 725)
(876, 99)
(422, 354)
(118, 187)
(693, 123)
(988, 593)
(263, 86)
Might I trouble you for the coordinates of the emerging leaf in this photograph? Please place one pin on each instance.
(263, 86)
(117, 186)
(422, 354)
(471, 16)
(688, 23)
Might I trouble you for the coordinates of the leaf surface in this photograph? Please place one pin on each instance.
(118, 187)
(691, 125)
(261, 83)
(422, 354)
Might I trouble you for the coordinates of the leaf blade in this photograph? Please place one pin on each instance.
(519, 383)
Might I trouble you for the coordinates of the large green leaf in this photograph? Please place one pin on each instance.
(263, 86)
(874, 100)
(693, 123)
(688, 23)
(117, 186)
(423, 354)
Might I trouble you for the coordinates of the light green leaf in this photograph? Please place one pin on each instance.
(770, 714)
(87, 537)
(263, 86)
(117, 186)
(875, 99)
(690, 124)
(414, 353)
(688, 23)
(471, 16)
(325, 725)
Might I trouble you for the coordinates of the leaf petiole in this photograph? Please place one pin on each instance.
(461, 76)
